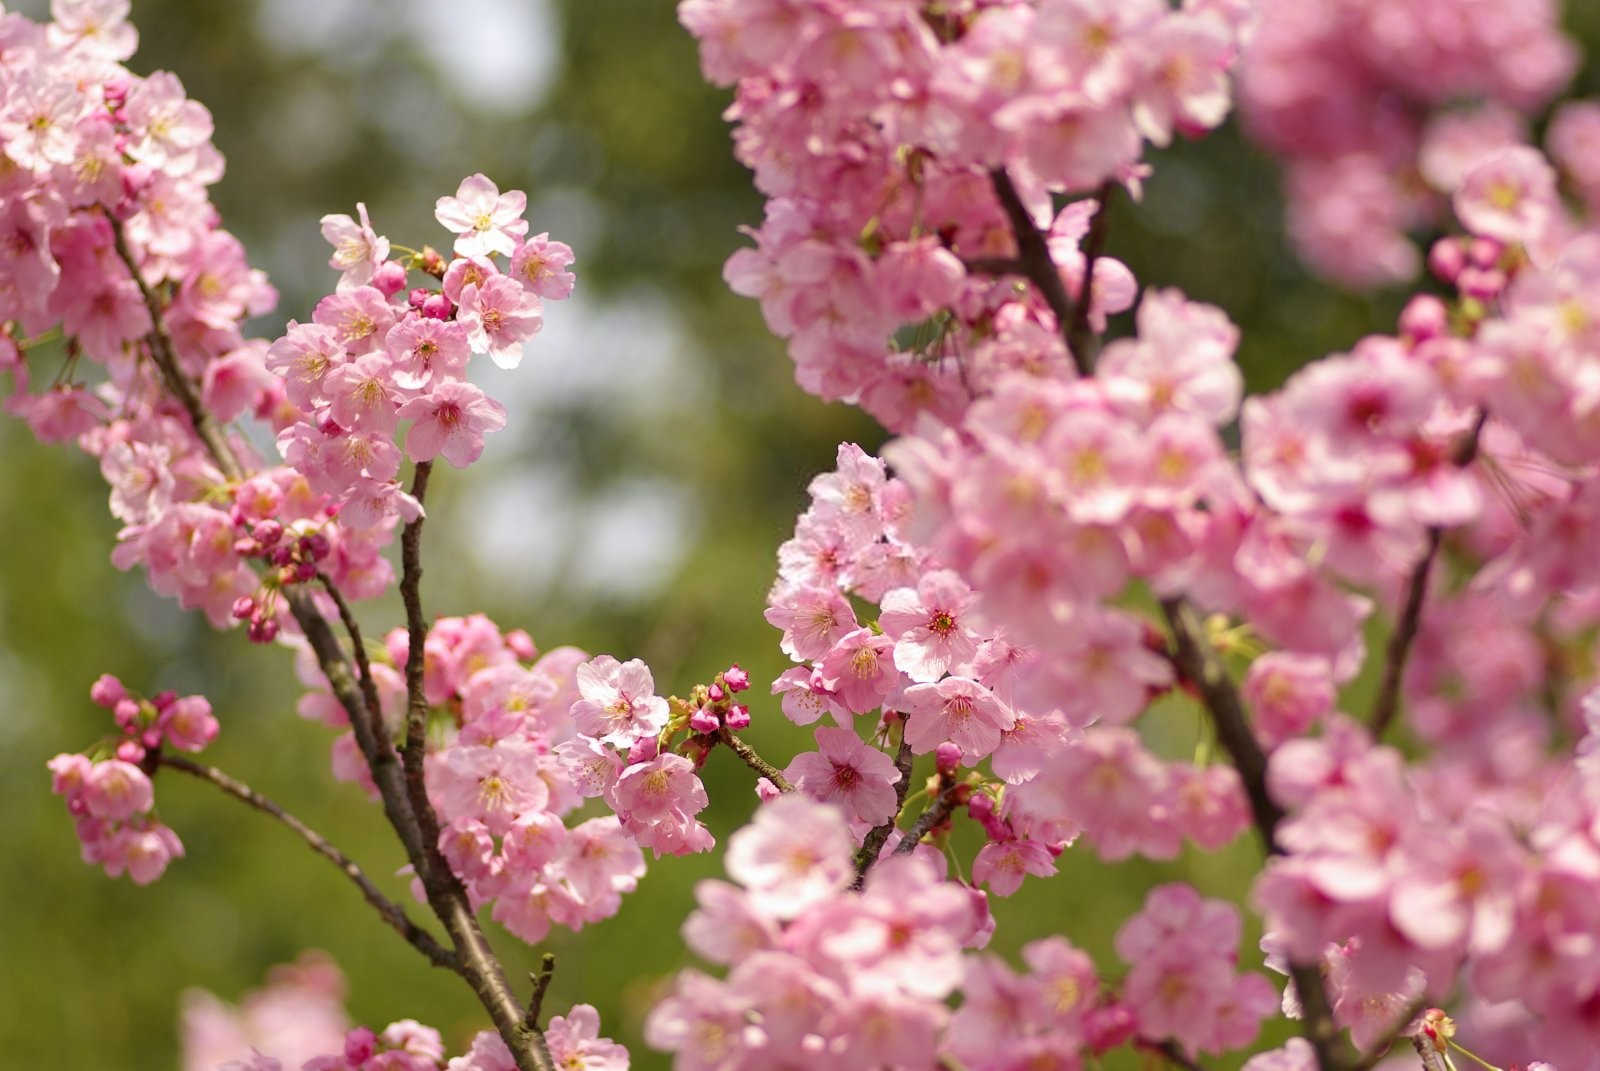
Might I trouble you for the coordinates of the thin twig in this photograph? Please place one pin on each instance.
(1081, 338)
(369, 687)
(1200, 665)
(1387, 704)
(994, 266)
(748, 756)
(391, 912)
(541, 982)
(1171, 1052)
(166, 360)
(938, 811)
(872, 846)
(1033, 254)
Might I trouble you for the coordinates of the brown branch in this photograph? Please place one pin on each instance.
(1081, 338)
(938, 811)
(878, 836)
(391, 912)
(1387, 704)
(1033, 255)
(166, 361)
(748, 756)
(541, 982)
(369, 687)
(417, 628)
(994, 266)
(1200, 665)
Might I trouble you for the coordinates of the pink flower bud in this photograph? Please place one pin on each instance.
(263, 630)
(643, 751)
(1485, 252)
(389, 277)
(1446, 259)
(738, 717)
(715, 693)
(735, 678)
(1424, 317)
(704, 720)
(417, 296)
(163, 700)
(243, 607)
(437, 306)
(522, 645)
(130, 751)
(1483, 284)
(315, 546)
(947, 757)
(126, 714)
(268, 532)
(106, 691)
(1108, 1026)
(766, 791)
(359, 1046)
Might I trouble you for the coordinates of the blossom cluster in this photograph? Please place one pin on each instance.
(1356, 97)
(297, 1022)
(872, 129)
(821, 971)
(106, 232)
(108, 790)
(376, 353)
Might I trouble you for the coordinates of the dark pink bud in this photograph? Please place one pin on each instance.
(947, 757)
(129, 751)
(116, 91)
(417, 296)
(268, 532)
(715, 693)
(359, 1046)
(151, 737)
(704, 720)
(1485, 252)
(263, 630)
(1109, 1026)
(1424, 317)
(390, 278)
(738, 717)
(1485, 285)
(243, 607)
(1446, 259)
(735, 678)
(437, 307)
(126, 713)
(981, 807)
(305, 571)
(163, 700)
(315, 546)
(643, 751)
(522, 645)
(107, 691)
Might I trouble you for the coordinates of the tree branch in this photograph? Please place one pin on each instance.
(369, 687)
(417, 629)
(1387, 704)
(391, 912)
(748, 756)
(1033, 257)
(166, 361)
(928, 820)
(1169, 1051)
(876, 838)
(1200, 665)
(1081, 339)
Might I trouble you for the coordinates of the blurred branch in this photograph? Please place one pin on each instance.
(1033, 256)
(938, 811)
(1387, 704)
(391, 912)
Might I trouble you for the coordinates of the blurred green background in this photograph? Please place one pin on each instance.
(658, 454)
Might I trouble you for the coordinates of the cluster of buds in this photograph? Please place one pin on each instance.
(292, 555)
(108, 790)
(710, 707)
